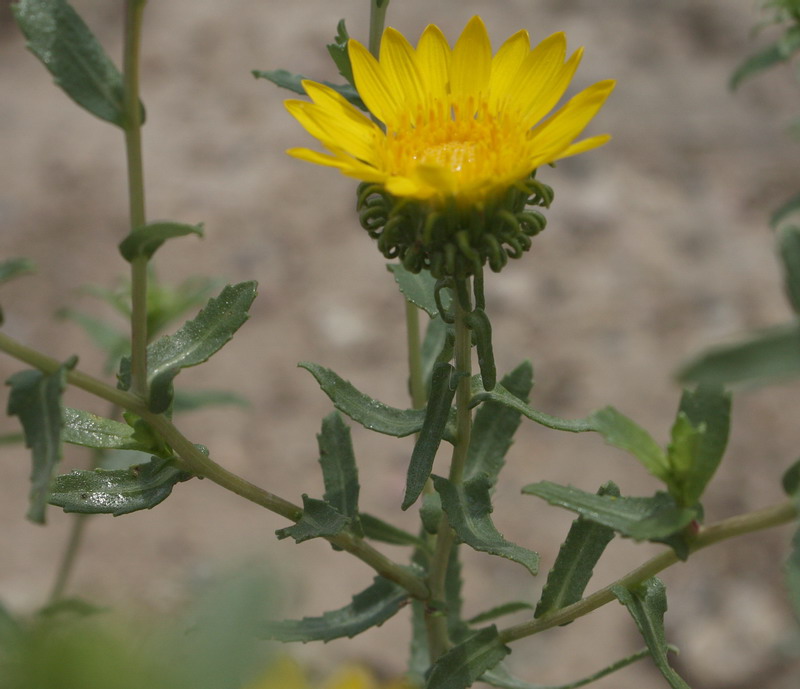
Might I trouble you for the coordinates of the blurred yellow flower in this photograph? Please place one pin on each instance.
(287, 673)
(458, 124)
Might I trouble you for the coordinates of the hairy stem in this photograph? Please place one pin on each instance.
(377, 20)
(133, 149)
(729, 528)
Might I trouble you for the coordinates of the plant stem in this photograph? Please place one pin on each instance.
(377, 20)
(133, 147)
(70, 554)
(416, 382)
(438, 639)
(729, 528)
(201, 465)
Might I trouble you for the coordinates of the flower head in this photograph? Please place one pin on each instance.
(461, 128)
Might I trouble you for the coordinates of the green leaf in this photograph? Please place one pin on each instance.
(767, 356)
(431, 512)
(499, 676)
(779, 51)
(437, 346)
(14, 267)
(463, 664)
(418, 288)
(468, 507)
(69, 50)
(319, 520)
(791, 479)
(294, 82)
(140, 487)
(36, 399)
(622, 432)
(370, 608)
(437, 414)
(500, 611)
(786, 209)
(695, 453)
(339, 54)
(577, 557)
(339, 471)
(191, 400)
(494, 427)
(89, 430)
(478, 323)
(145, 240)
(379, 530)
(792, 574)
(647, 604)
(657, 519)
(370, 413)
(419, 659)
(457, 629)
(789, 246)
(194, 343)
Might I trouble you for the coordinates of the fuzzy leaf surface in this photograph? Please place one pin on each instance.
(418, 288)
(468, 509)
(338, 52)
(294, 82)
(577, 557)
(370, 608)
(766, 356)
(35, 398)
(364, 410)
(464, 664)
(116, 492)
(145, 240)
(61, 40)
(647, 604)
(379, 530)
(494, 427)
(437, 413)
(437, 346)
(500, 611)
(624, 433)
(196, 341)
(789, 247)
(89, 430)
(339, 471)
(319, 520)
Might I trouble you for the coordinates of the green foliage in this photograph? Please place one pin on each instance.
(319, 520)
(339, 470)
(789, 247)
(478, 323)
(339, 54)
(779, 51)
(574, 566)
(78, 63)
(15, 267)
(36, 399)
(192, 400)
(468, 507)
(89, 430)
(370, 608)
(418, 288)
(500, 611)
(117, 492)
(437, 414)
(193, 344)
(145, 241)
(379, 530)
(294, 82)
(464, 664)
(647, 604)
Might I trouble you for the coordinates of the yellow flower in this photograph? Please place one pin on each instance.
(460, 126)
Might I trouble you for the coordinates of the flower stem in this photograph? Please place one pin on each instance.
(416, 381)
(438, 639)
(377, 20)
(133, 148)
(201, 465)
(729, 528)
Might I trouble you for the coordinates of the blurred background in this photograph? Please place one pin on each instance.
(657, 246)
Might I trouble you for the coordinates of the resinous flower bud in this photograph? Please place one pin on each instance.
(448, 173)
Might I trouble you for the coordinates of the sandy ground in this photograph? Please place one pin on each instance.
(657, 246)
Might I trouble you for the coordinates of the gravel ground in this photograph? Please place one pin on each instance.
(657, 246)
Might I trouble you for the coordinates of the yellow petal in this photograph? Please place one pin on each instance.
(371, 84)
(505, 66)
(472, 63)
(585, 145)
(552, 92)
(536, 71)
(433, 59)
(399, 64)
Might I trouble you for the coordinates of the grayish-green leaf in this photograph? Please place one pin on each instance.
(766, 356)
(437, 346)
(431, 512)
(379, 530)
(468, 507)
(437, 414)
(338, 52)
(418, 288)
(494, 427)
(786, 209)
(319, 520)
(370, 413)
(145, 240)
(69, 50)
(500, 611)
(35, 398)
(191, 400)
(792, 574)
(194, 343)
(647, 604)
(370, 608)
(14, 267)
(139, 487)
(500, 677)
(464, 664)
(789, 246)
(577, 557)
(294, 82)
(419, 659)
(89, 430)
(791, 480)
(457, 629)
(779, 51)
(339, 471)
